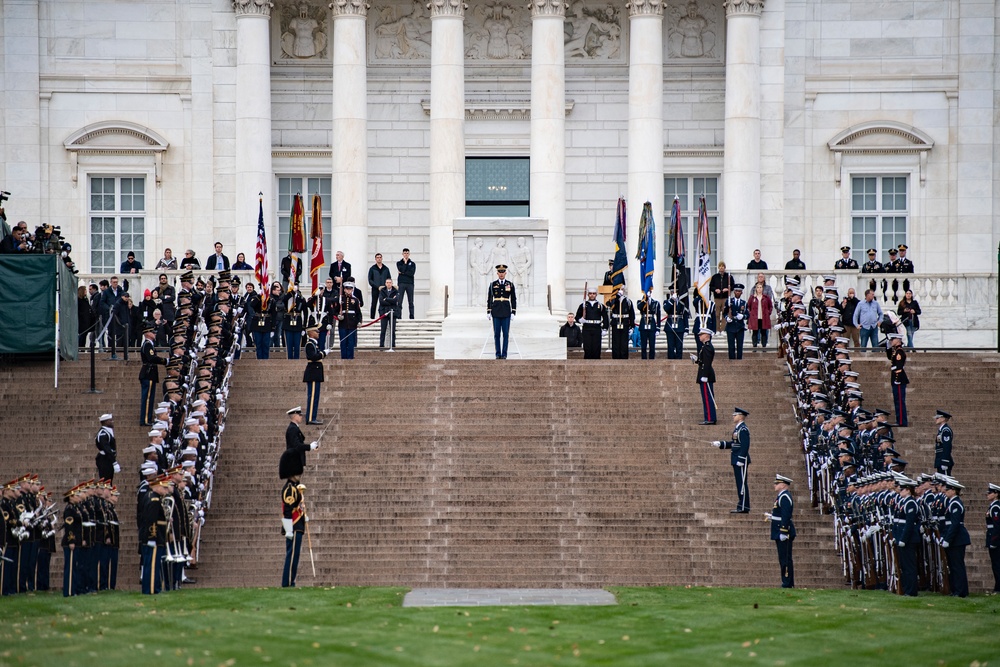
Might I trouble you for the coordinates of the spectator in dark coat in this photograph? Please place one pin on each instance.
(721, 286)
(84, 314)
(909, 315)
(190, 261)
(130, 265)
(847, 307)
(241, 263)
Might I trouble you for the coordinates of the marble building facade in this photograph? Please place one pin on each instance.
(810, 124)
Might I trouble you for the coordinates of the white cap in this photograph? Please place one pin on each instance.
(197, 413)
(162, 426)
(106, 417)
(154, 434)
(198, 403)
(191, 421)
(707, 331)
(782, 479)
(187, 464)
(149, 450)
(148, 467)
(161, 411)
(188, 435)
(294, 411)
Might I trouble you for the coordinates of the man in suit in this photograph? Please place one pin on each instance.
(783, 530)
(340, 270)
(706, 375)
(739, 458)
(313, 375)
(735, 312)
(218, 261)
(501, 305)
(149, 376)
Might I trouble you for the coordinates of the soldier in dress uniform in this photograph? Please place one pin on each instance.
(72, 540)
(904, 265)
(846, 262)
(943, 442)
(501, 305)
(149, 377)
(892, 266)
(153, 536)
(675, 325)
(609, 274)
(706, 375)
(955, 537)
(739, 458)
(872, 265)
(622, 315)
(993, 532)
(897, 377)
(783, 529)
(12, 546)
(735, 312)
(349, 316)
(293, 518)
(107, 449)
(906, 533)
(593, 317)
(649, 324)
(313, 374)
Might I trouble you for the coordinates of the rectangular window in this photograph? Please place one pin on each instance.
(879, 213)
(117, 221)
(307, 186)
(497, 187)
(689, 190)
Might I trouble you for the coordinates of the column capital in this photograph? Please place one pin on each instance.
(743, 7)
(447, 8)
(548, 8)
(253, 8)
(645, 8)
(349, 8)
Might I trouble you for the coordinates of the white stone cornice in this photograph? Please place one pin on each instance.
(645, 8)
(252, 8)
(447, 8)
(744, 7)
(555, 8)
(497, 109)
(349, 8)
(118, 138)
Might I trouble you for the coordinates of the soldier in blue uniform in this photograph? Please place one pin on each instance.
(993, 532)
(739, 457)
(846, 262)
(149, 376)
(906, 533)
(897, 377)
(735, 312)
(706, 375)
(649, 323)
(501, 305)
(622, 323)
(783, 529)
(872, 265)
(313, 374)
(943, 462)
(593, 317)
(675, 325)
(955, 537)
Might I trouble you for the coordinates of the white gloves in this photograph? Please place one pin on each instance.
(328, 350)
(488, 316)
(703, 379)
(783, 537)
(739, 464)
(739, 317)
(901, 543)
(287, 525)
(729, 319)
(944, 543)
(694, 357)
(717, 443)
(117, 468)
(314, 444)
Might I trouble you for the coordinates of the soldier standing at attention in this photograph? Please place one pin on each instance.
(872, 265)
(349, 317)
(593, 316)
(845, 262)
(897, 377)
(649, 324)
(622, 323)
(739, 458)
(107, 449)
(735, 312)
(706, 375)
(149, 376)
(906, 532)
(313, 375)
(955, 537)
(71, 540)
(993, 532)
(501, 305)
(783, 530)
(943, 462)
(675, 324)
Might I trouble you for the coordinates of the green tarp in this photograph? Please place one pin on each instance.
(28, 305)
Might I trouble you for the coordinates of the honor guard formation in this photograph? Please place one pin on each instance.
(894, 532)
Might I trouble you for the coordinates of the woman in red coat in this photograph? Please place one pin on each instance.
(759, 310)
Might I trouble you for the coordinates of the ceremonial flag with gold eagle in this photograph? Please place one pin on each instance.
(297, 226)
(316, 258)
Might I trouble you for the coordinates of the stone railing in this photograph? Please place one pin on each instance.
(149, 279)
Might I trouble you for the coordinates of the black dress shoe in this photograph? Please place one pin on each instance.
(706, 424)
(315, 422)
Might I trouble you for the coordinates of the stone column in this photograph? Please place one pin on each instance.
(740, 232)
(548, 136)
(645, 134)
(447, 151)
(253, 123)
(349, 184)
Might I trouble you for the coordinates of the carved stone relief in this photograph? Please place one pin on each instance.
(486, 254)
(694, 30)
(402, 31)
(593, 32)
(497, 31)
(303, 32)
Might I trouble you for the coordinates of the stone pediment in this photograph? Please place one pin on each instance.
(881, 138)
(116, 138)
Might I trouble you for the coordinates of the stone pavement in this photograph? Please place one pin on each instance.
(506, 597)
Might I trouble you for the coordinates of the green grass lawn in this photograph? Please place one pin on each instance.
(367, 626)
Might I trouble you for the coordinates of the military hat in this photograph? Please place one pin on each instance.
(829, 279)
(902, 246)
(236, 280)
(703, 330)
(190, 435)
(952, 483)
(162, 480)
(941, 414)
(225, 274)
(892, 251)
(290, 464)
(993, 488)
(818, 395)
(886, 438)
(740, 411)
(781, 479)
(738, 286)
(107, 416)
(924, 477)
(845, 248)
(906, 482)
(798, 306)
(872, 251)
(833, 312)
(314, 327)
(790, 280)
(150, 449)
(148, 327)
(899, 462)
(187, 464)
(294, 411)
(848, 424)
(187, 277)
(611, 261)
(796, 291)
(500, 267)
(836, 328)
(190, 421)
(348, 285)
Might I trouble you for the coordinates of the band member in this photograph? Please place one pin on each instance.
(313, 374)
(107, 450)
(897, 375)
(293, 516)
(622, 322)
(593, 317)
(739, 458)
(706, 375)
(649, 324)
(501, 305)
(943, 461)
(783, 529)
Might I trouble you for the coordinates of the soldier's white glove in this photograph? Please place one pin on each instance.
(117, 468)
(287, 525)
(739, 464)
(101, 452)
(314, 444)
(717, 443)
(693, 357)
(944, 543)
(729, 319)
(328, 350)
(739, 317)
(900, 543)
(488, 316)
(783, 537)
(703, 379)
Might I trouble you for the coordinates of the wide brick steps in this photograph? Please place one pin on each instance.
(480, 473)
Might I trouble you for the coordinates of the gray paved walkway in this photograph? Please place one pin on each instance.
(506, 597)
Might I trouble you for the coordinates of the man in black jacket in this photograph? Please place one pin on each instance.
(149, 376)
(571, 332)
(378, 273)
(218, 261)
(388, 305)
(406, 270)
(340, 270)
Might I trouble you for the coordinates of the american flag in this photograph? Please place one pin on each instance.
(261, 272)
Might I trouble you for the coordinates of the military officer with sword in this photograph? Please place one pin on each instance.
(293, 516)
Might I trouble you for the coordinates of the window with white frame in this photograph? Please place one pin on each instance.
(880, 207)
(689, 191)
(307, 186)
(117, 213)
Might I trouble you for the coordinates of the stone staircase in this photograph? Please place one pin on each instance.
(513, 474)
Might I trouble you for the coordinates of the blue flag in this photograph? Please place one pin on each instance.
(621, 257)
(647, 247)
